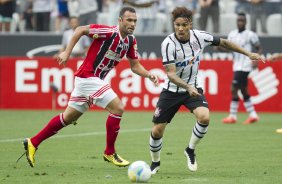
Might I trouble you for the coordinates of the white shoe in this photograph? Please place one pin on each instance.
(191, 159)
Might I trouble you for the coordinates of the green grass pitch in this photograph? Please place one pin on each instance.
(229, 154)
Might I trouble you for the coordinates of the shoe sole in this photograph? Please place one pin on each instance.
(105, 159)
(25, 143)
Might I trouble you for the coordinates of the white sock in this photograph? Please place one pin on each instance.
(250, 108)
(155, 148)
(198, 133)
(233, 109)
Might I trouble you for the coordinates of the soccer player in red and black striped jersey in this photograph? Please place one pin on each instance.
(110, 44)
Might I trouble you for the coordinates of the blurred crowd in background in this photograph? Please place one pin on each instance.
(215, 16)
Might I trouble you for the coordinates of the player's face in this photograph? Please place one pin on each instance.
(241, 22)
(127, 23)
(181, 28)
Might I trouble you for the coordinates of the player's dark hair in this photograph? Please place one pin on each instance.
(125, 9)
(241, 14)
(181, 12)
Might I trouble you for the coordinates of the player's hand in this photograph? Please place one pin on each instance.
(63, 58)
(154, 79)
(193, 91)
(256, 57)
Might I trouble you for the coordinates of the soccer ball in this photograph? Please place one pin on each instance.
(139, 171)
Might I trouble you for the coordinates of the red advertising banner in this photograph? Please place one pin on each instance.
(30, 83)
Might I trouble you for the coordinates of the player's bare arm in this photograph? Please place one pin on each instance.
(79, 31)
(170, 70)
(234, 47)
(275, 57)
(137, 68)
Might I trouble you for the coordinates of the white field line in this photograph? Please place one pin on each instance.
(79, 135)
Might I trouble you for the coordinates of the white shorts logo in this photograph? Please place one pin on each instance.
(157, 112)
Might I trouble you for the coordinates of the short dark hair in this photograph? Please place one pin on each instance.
(126, 8)
(241, 14)
(181, 12)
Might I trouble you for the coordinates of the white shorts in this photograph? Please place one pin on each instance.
(89, 91)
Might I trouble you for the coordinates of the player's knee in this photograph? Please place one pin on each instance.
(119, 109)
(204, 119)
(157, 132)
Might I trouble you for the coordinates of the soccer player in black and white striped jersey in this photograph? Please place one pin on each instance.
(242, 66)
(181, 53)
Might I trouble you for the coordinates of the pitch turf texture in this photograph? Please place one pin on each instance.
(247, 154)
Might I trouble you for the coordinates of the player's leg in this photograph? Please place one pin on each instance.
(253, 117)
(199, 130)
(199, 107)
(234, 104)
(167, 105)
(77, 105)
(55, 124)
(155, 144)
(116, 109)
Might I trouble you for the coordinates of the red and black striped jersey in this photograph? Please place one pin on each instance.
(106, 51)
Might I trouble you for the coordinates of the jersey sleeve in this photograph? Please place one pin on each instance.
(168, 52)
(132, 50)
(206, 38)
(254, 39)
(97, 31)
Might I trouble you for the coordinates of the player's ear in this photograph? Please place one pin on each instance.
(120, 19)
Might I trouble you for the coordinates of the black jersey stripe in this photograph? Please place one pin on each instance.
(104, 49)
(174, 46)
(196, 79)
(197, 39)
(180, 76)
(184, 56)
(193, 54)
(168, 84)
(111, 62)
(168, 62)
(166, 52)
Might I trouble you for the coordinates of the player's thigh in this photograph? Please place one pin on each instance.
(240, 79)
(167, 105)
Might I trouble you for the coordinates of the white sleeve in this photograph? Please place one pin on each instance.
(206, 38)
(254, 39)
(168, 52)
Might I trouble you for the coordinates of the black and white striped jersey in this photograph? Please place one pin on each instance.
(246, 39)
(180, 54)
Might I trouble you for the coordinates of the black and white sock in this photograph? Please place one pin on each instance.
(155, 148)
(198, 133)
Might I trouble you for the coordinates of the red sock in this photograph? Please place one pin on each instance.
(49, 130)
(112, 127)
